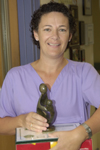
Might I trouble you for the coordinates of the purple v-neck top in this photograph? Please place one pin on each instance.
(75, 89)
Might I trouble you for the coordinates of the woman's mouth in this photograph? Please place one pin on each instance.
(53, 44)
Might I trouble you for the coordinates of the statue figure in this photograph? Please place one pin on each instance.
(45, 107)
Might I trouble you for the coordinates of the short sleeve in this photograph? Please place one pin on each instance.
(91, 85)
(6, 97)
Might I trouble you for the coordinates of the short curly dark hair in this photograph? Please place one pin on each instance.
(47, 8)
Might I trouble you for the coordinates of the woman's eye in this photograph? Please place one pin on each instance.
(62, 30)
(47, 29)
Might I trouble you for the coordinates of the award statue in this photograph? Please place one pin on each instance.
(45, 107)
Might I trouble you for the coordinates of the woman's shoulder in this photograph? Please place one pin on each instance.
(81, 68)
(19, 70)
(80, 65)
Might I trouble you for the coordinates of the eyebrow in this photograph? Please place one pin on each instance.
(62, 26)
(47, 25)
(51, 26)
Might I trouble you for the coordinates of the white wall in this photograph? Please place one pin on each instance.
(87, 19)
(44, 2)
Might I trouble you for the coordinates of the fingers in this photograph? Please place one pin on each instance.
(38, 117)
(37, 127)
(31, 127)
(35, 122)
(39, 123)
(55, 134)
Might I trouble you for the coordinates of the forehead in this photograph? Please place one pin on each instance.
(54, 17)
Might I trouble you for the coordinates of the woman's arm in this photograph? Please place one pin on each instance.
(94, 121)
(31, 121)
(72, 140)
(9, 124)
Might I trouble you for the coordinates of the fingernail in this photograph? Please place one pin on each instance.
(45, 129)
(47, 125)
(45, 120)
(40, 131)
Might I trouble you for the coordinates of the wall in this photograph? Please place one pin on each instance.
(96, 22)
(1, 60)
(89, 53)
(96, 18)
(44, 2)
(96, 46)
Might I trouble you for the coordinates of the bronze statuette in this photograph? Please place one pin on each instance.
(45, 107)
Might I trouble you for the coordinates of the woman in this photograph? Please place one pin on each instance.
(74, 86)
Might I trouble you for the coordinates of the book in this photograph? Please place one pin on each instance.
(27, 140)
(26, 136)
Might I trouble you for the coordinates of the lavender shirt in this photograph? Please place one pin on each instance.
(75, 89)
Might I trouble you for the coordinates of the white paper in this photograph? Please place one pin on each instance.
(24, 135)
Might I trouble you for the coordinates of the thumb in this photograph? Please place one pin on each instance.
(54, 134)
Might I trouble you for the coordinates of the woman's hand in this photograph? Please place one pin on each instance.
(33, 121)
(69, 140)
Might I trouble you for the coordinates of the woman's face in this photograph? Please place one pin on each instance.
(53, 34)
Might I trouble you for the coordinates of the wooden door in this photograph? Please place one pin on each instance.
(8, 142)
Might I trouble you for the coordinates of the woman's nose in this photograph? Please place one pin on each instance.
(55, 35)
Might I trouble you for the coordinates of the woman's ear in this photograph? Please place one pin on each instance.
(36, 35)
(70, 37)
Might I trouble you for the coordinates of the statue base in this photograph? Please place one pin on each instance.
(50, 128)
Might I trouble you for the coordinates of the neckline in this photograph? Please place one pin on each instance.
(58, 79)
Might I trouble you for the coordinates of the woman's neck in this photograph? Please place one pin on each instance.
(49, 70)
(51, 66)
